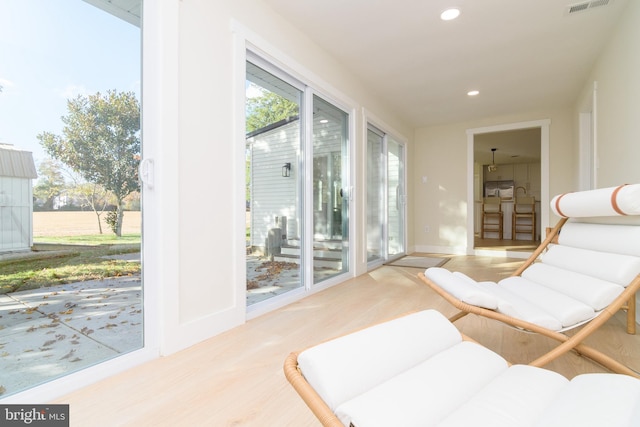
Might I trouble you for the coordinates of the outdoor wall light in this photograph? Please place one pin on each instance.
(286, 170)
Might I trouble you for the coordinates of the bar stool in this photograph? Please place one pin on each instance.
(492, 216)
(523, 219)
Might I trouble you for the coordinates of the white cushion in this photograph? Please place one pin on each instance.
(567, 310)
(516, 397)
(601, 202)
(347, 366)
(595, 400)
(618, 239)
(612, 267)
(594, 292)
(516, 306)
(461, 287)
(429, 392)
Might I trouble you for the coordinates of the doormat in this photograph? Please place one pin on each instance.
(423, 262)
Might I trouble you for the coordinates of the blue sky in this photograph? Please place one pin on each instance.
(54, 50)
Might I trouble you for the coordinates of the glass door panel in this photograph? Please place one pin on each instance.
(386, 199)
(78, 300)
(273, 230)
(396, 198)
(375, 195)
(330, 192)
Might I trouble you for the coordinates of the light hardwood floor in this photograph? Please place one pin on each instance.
(236, 378)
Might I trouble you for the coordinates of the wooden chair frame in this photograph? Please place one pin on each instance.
(626, 300)
(313, 400)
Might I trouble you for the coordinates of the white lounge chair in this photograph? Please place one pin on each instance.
(418, 370)
(586, 270)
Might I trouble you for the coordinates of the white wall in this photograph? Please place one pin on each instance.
(441, 155)
(617, 103)
(206, 293)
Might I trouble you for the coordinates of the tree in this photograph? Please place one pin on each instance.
(94, 196)
(50, 183)
(100, 141)
(267, 109)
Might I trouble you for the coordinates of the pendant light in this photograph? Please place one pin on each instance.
(493, 167)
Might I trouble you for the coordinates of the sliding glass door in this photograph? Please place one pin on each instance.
(386, 197)
(70, 80)
(297, 198)
(375, 195)
(330, 194)
(273, 211)
(396, 198)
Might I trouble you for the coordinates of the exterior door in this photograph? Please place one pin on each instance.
(386, 197)
(330, 191)
(274, 136)
(297, 146)
(67, 74)
(396, 199)
(376, 249)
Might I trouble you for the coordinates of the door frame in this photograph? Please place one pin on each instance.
(544, 180)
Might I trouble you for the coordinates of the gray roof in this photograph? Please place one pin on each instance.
(16, 163)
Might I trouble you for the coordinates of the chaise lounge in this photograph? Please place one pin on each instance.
(586, 270)
(419, 370)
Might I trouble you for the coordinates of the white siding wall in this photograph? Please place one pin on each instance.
(272, 195)
(15, 214)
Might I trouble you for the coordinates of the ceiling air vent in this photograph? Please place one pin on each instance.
(581, 7)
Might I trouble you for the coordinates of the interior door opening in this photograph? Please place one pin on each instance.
(509, 164)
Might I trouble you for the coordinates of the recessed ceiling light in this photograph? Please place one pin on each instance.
(473, 92)
(450, 14)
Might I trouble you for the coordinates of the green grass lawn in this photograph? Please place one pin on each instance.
(68, 265)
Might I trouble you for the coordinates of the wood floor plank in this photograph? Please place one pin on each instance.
(236, 378)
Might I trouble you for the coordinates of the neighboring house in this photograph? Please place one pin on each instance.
(269, 149)
(275, 198)
(17, 169)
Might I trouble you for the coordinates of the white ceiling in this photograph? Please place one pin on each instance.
(522, 55)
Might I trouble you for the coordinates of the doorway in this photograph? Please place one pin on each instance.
(519, 168)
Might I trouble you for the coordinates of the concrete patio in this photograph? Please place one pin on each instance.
(49, 332)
